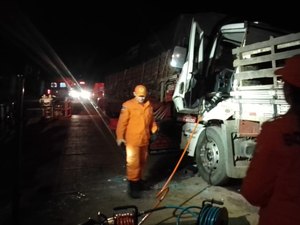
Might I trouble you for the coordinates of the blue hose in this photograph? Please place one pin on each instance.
(210, 215)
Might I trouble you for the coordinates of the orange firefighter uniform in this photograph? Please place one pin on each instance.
(273, 177)
(135, 125)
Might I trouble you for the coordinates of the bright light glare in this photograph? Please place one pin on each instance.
(85, 94)
(173, 63)
(80, 94)
(74, 94)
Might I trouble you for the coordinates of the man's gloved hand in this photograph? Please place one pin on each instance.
(120, 141)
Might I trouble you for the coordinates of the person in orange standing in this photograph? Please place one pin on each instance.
(272, 182)
(135, 125)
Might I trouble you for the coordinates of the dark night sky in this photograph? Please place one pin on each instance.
(84, 35)
(93, 28)
(88, 34)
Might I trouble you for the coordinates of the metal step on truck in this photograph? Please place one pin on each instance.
(228, 89)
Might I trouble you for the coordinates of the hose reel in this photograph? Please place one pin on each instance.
(212, 215)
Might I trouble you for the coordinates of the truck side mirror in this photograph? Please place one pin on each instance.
(178, 57)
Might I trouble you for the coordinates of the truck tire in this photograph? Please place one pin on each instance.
(210, 157)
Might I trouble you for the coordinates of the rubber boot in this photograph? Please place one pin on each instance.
(134, 189)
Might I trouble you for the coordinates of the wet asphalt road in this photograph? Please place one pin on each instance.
(71, 168)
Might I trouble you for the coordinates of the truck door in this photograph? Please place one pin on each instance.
(219, 72)
(182, 97)
(193, 82)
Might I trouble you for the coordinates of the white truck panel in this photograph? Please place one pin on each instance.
(187, 130)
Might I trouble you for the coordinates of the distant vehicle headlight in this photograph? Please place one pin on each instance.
(85, 94)
(74, 94)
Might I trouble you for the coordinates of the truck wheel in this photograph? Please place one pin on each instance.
(210, 157)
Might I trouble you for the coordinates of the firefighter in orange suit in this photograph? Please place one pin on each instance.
(272, 182)
(135, 125)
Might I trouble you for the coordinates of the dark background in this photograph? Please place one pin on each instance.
(83, 37)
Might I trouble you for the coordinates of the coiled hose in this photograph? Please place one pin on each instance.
(211, 215)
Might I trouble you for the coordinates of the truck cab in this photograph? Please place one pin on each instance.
(227, 79)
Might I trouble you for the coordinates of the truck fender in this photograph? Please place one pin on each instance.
(186, 133)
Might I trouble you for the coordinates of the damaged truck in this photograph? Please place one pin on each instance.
(218, 88)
